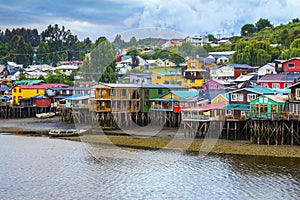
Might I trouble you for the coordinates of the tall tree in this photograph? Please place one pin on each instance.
(248, 29)
(20, 51)
(102, 57)
(254, 53)
(263, 23)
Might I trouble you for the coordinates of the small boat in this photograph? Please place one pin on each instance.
(66, 133)
(45, 115)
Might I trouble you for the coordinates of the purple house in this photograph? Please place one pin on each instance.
(213, 85)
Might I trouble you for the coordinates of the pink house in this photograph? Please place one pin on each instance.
(212, 85)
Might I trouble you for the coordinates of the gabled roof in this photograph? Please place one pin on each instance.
(42, 86)
(206, 107)
(278, 98)
(295, 58)
(78, 97)
(116, 85)
(279, 77)
(237, 106)
(239, 66)
(294, 85)
(258, 90)
(210, 94)
(28, 82)
(71, 88)
(164, 86)
(169, 73)
(185, 94)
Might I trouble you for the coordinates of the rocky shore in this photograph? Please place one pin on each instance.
(165, 139)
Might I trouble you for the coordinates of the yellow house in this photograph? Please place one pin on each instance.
(111, 97)
(220, 98)
(27, 91)
(195, 72)
(168, 77)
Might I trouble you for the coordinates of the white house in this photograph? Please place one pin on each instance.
(267, 69)
(66, 69)
(198, 40)
(225, 73)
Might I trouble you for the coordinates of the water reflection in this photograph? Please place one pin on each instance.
(43, 168)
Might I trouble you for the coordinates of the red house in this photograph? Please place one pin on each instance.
(280, 81)
(291, 65)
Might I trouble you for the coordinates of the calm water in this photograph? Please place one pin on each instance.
(43, 168)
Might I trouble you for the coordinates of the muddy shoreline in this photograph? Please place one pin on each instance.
(165, 139)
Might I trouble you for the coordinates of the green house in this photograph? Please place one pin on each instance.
(151, 91)
(267, 106)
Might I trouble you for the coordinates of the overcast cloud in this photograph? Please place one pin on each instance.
(94, 18)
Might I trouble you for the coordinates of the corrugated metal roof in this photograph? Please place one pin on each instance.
(185, 94)
(42, 86)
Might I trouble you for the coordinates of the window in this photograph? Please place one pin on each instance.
(159, 92)
(233, 97)
(228, 112)
(216, 86)
(123, 92)
(20, 90)
(297, 92)
(147, 103)
(158, 77)
(237, 97)
(192, 64)
(112, 92)
(146, 94)
(265, 85)
(37, 91)
(15, 90)
(250, 97)
(240, 97)
(291, 65)
(287, 85)
(192, 81)
(275, 85)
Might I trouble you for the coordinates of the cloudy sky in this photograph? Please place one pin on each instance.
(94, 18)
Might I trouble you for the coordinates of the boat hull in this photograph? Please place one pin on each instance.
(66, 133)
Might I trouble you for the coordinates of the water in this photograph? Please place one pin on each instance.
(43, 168)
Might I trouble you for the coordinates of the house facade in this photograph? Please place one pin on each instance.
(293, 102)
(152, 91)
(167, 77)
(194, 73)
(291, 65)
(174, 101)
(213, 85)
(278, 80)
(111, 97)
(268, 106)
(28, 91)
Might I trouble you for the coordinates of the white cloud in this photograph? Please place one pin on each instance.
(201, 16)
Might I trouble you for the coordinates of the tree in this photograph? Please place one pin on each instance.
(102, 56)
(175, 57)
(248, 29)
(211, 37)
(254, 53)
(132, 51)
(295, 44)
(20, 51)
(262, 23)
(22, 76)
(296, 20)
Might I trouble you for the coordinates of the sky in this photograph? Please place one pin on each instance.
(143, 18)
